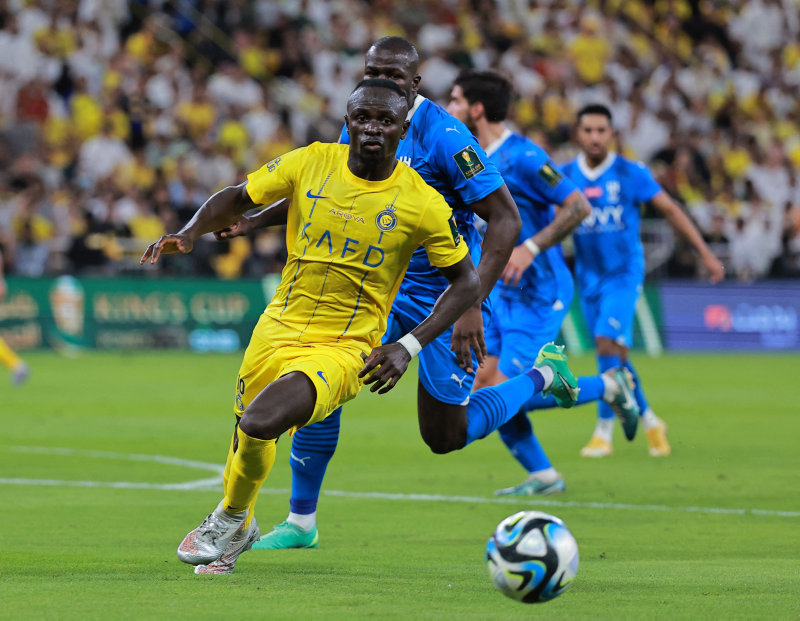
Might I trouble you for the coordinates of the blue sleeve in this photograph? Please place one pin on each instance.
(542, 178)
(459, 158)
(344, 137)
(646, 187)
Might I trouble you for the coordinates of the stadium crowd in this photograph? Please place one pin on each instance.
(117, 119)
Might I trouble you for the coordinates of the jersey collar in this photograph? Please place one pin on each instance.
(498, 142)
(592, 174)
(417, 103)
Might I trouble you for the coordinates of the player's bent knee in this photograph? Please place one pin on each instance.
(442, 446)
(442, 441)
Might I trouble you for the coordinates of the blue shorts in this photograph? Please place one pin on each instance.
(438, 366)
(610, 312)
(519, 329)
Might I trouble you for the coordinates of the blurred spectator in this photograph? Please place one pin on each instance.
(118, 118)
(101, 155)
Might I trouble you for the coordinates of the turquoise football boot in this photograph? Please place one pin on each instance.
(564, 387)
(285, 536)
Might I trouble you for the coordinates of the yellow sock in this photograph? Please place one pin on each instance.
(250, 467)
(7, 356)
(226, 476)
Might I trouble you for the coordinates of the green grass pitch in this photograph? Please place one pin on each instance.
(711, 532)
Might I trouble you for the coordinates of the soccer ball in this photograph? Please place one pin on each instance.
(532, 557)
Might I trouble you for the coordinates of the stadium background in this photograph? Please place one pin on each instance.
(119, 118)
(105, 459)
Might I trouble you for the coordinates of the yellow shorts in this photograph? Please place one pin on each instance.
(333, 369)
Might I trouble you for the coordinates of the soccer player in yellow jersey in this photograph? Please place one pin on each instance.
(357, 214)
(19, 370)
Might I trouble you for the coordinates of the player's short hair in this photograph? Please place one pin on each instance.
(397, 45)
(380, 83)
(488, 88)
(595, 108)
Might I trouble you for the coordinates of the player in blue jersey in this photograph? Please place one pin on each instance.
(609, 259)
(534, 295)
(447, 157)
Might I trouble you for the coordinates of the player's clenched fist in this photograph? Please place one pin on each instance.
(168, 244)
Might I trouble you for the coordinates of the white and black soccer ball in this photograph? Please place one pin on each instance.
(532, 557)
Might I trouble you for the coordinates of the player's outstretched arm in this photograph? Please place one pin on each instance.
(387, 363)
(274, 215)
(569, 215)
(220, 211)
(683, 225)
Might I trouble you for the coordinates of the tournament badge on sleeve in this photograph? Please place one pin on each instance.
(468, 162)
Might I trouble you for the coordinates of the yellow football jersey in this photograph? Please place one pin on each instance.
(349, 242)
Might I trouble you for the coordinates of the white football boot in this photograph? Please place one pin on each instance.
(241, 542)
(206, 543)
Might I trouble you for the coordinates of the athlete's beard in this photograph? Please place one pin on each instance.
(593, 159)
(471, 124)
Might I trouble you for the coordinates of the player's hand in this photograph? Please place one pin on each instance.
(716, 271)
(241, 227)
(468, 338)
(168, 244)
(387, 364)
(518, 262)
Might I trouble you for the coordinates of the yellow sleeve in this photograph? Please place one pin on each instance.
(275, 180)
(441, 239)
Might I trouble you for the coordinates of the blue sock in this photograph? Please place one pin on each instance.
(592, 389)
(517, 434)
(491, 407)
(638, 392)
(604, 363)
(312, 449)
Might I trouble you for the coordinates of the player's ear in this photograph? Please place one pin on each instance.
(406, 125)
(415, 82)
(477, 110)
(347, 124)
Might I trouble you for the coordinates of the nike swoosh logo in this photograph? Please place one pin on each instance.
(322, 375)
(310, 195)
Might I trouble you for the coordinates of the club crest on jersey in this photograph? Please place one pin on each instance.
(386, 220)
(612, 190)
(468, 162)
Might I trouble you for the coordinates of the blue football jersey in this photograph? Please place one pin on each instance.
(536, 185)
(608, 241)
(448, 157)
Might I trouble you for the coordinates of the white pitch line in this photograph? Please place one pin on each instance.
(557, 503)
(161, 459)
(208, 483)
(214, 485)
(202, 484)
